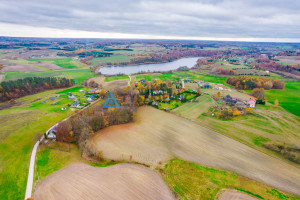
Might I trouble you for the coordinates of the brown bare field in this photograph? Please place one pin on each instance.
(20, 68)
(80, 181)
(234, 195)
(50, 66)
(158, 136)
(111, 84)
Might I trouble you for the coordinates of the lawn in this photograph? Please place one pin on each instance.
(78, 75)
(111, 59)
(67, 63)
(289, 98)
(171, 105)
(19, 126)
(193, 181)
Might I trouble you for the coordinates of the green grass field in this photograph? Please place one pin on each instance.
(289, 98)
(175, 76)
(114, 78)
(193, 181)
(51, 160)
(194, 109)
(73, 89)
(19, 126)
(268, 124)
(112, 59)
(78, 75)
(67, 63)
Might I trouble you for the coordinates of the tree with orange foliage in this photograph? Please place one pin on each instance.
(236, 113)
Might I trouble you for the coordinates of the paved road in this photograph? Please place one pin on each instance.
(31, 170)
(31, 166)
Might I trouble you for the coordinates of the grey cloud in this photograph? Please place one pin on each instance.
(191, 18)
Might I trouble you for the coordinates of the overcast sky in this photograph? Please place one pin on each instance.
(249, 20)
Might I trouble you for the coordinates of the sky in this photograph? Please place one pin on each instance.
(229, 20)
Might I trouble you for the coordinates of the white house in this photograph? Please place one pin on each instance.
(51, 135)
(63, 108)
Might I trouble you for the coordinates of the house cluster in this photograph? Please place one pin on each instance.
(236, 101)
(204, 85)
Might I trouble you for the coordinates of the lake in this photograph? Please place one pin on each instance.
(131, 69)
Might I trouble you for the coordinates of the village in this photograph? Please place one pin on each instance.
(168, 95)
(73, 98)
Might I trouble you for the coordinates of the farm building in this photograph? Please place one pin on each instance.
(201, 83)
(91, 98)
(206, 85)
(51, 135)
(63, 108)
(93, 90)
(52, 98)
(154, 103)
(229, 100)
(75, 104)
(251, 102)
(71, 96)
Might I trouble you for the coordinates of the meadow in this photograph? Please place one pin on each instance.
(289, 98)
(175, 76)
(20, 127)
(268, 123)
(67, 63)
(78, 75)
(193, 181)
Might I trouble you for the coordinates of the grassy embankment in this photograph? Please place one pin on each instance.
(193, 181)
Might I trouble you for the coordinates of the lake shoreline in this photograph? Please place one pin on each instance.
(148, 67)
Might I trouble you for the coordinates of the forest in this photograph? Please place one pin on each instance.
(249, 83)
(10, 90)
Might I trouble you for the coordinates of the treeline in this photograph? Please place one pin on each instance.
(270, 65)
(223, 71)
(81, 126)
(249, 83)
(83, 54)
(32, 85)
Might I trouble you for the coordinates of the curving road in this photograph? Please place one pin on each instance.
(33, 154)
